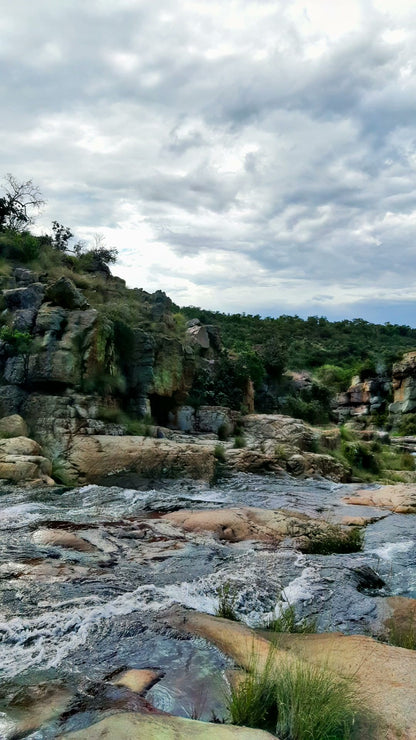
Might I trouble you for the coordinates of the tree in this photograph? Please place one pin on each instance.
(17, 206)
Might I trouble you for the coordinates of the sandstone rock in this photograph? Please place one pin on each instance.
(130, 726)
(385, 675)
(400, 498)
(252, 461)
(62, 538)
(19, 446)
(138, 680)
(13, 426)
(64, 293)
(249, 523)
(326, 466)
(278, 428)
(92, 458)
(21, 460)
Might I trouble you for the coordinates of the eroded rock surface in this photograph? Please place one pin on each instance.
(400, 498)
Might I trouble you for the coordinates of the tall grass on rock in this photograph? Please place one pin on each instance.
(298, 701)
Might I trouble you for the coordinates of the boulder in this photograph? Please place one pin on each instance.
(249, 523)
(21, 460)
(400, 498)
(129, 726)
(13, 426)
(198, 335)
(278, 429)
(385, 675)
(92, 458)
(62, 538)
(30, 297)
(64, 293)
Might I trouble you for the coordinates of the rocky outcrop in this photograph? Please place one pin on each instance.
(269, 430)
(404, 386)
(400, 498)
(362, 399)
(90, 459)
(128, 726)
(205, 419)
(21, 460)
(249, 523)
(385, 675)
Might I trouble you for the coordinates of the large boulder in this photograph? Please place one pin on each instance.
(13, 426)
(23, 298)
(93, 458)
(21, 460)
(64, 293)
(273, 429)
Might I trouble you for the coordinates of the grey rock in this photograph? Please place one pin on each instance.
(64, 293)
(30, 297)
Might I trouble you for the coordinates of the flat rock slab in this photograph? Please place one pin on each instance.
(385, 675)
(61, 538)
(249, 523)
(91, 458)
(400, 498)
(130, 726)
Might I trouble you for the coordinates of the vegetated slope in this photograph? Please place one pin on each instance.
(355, 346)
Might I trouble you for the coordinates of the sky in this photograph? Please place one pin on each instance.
(242, 155)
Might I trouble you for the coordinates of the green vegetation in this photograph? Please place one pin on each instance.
(239, 442)
(407, 425)
(288, 622)
(297, 701)
(333, 539)
(402, 632)
(227, 597)
(219, 453)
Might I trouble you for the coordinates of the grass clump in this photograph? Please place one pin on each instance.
(402, 633)
(239, 442)
(227, 597)
(333, 539)
(219, 453)
(223, 432)
(297, 701)
(288, 622)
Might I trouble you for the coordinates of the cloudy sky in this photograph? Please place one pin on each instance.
(242, 155)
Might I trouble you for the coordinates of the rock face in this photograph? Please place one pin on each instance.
(363, 398)
(386, 676)
(400, 498)
(92, 458)
(130, 726)
(404, 386)
(205, 419)
(271, 430)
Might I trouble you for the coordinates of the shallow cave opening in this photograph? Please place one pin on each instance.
(160, 407)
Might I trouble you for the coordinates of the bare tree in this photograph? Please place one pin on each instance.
(19, 203)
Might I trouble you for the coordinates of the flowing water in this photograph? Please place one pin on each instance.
(73, 618)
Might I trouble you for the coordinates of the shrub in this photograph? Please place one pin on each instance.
(333, 539)
(219, 453)
(223, 433)
(298, 701)
(239, 442)
(407, 425)
(227, 597)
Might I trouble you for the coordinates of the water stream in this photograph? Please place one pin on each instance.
(76, 617)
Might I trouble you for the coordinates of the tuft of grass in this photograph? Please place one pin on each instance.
(223, 432)
(402, 633)
(288, 622)
(333, 539)
(227, 597)
(219, 453)
(239, 442)
(298, 701)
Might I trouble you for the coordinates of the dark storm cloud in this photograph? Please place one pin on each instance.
(222, 133)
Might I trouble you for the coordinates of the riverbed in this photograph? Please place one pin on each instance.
(73, 618)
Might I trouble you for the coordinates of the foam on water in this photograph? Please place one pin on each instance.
(391, 549)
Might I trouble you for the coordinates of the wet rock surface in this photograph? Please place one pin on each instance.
(87, 575)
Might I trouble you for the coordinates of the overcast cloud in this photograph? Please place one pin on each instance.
(246, 155)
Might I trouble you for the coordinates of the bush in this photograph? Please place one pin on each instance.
(223, 432)
(359, 455)
(239, 442)
(407, 425)
(333, 539)
(219, 453)
(297, 701)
